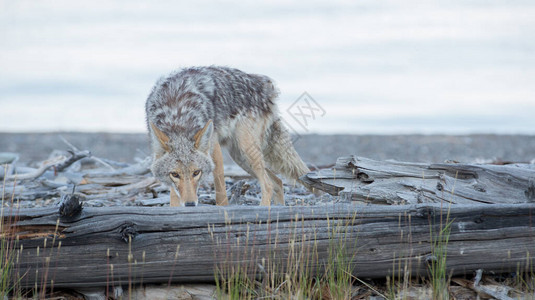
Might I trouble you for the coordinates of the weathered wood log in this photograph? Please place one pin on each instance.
(393, 182)
(121, 245)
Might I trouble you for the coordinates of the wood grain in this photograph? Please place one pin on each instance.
(141, 243)
(393, 182)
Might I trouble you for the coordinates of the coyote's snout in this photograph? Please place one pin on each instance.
(191, 113)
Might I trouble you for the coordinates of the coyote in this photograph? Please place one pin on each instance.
(194, 111)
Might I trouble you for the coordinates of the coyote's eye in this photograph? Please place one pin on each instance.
(174, 175)
(196, 173)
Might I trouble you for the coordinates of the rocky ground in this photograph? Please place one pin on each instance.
(318, 151)
(314, 149)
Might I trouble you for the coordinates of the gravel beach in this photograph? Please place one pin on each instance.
(320, 150)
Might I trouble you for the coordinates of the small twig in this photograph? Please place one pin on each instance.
(74, 149)
(68, 143)
(140, 168)
(115, 164)
(485, 290)
(9, 167)
(103, 163)
(122, 191)
(75, 156)
(141, 185)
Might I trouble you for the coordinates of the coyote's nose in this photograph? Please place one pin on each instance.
(190, 204)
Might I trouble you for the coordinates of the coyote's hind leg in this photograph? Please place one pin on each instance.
(249, 147)
(278, 196)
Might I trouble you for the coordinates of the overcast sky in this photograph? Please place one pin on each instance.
(371, 66)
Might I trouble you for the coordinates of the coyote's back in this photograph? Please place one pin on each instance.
(190, 113)
(187, 99)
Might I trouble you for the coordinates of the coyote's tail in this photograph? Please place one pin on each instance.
(281, 155)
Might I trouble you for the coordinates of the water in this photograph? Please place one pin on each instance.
(371, 66)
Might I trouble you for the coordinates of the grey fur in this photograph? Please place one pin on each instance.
(185, 100)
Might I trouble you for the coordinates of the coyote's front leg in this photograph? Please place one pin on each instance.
(219, 176)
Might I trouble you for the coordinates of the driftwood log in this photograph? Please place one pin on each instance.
(126, 245)
(392, 182)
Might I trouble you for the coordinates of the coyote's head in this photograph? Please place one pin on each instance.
(183, 163)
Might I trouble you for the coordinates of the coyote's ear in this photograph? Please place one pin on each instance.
(203, 137)
(162, 138)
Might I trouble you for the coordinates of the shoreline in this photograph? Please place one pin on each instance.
(316, 149)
